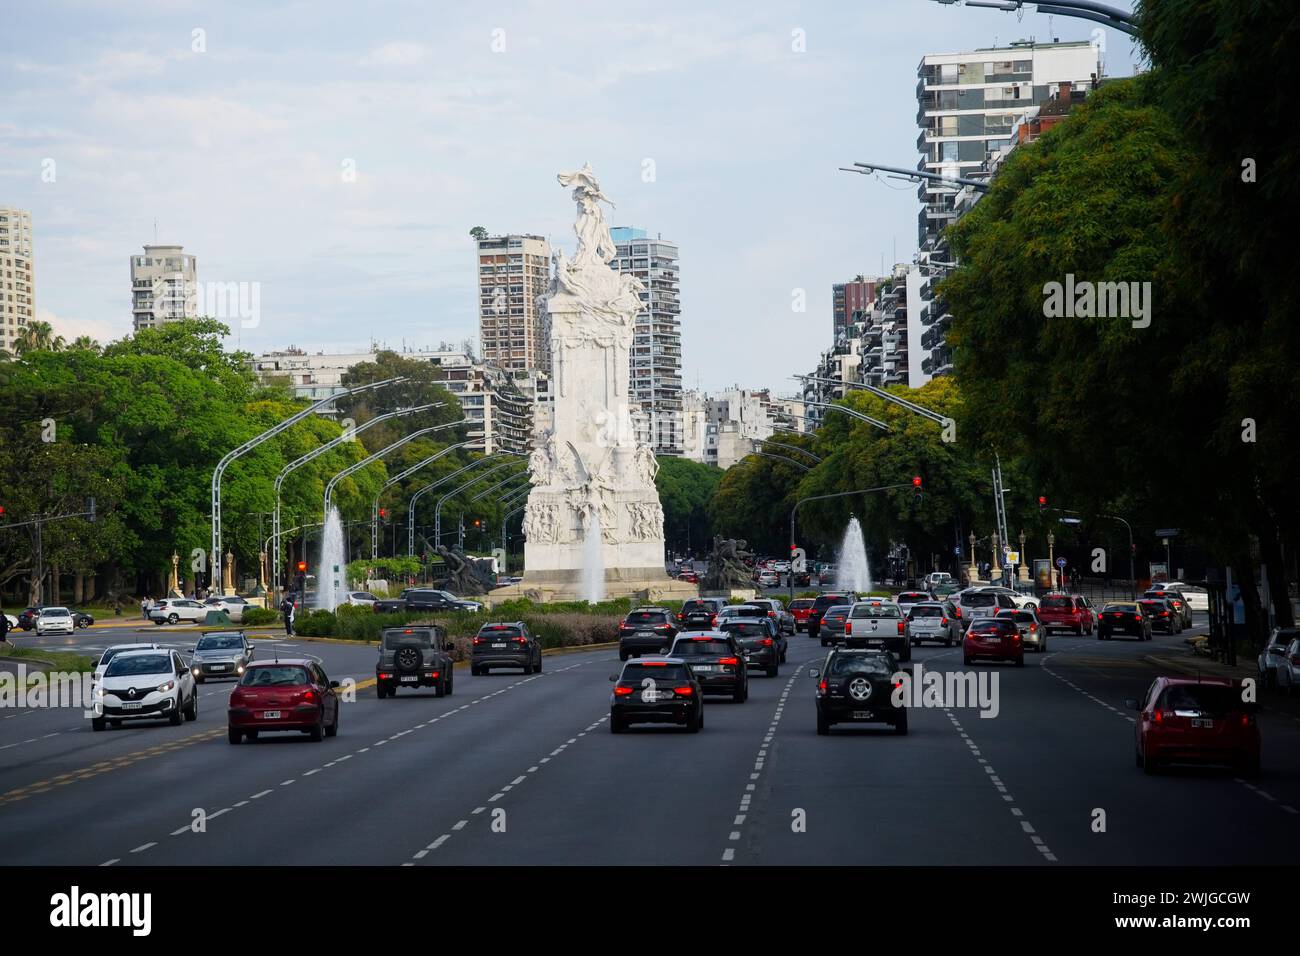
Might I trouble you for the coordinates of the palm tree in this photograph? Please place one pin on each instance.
(37, 337)
(86, 344)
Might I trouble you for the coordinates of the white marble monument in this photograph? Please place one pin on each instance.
(589, 473)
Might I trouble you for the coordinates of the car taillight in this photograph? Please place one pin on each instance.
(1248, 720)
(1164, 613)
(713, 619)
(478, 640)
(661, 627)
(771, 613)
(956, 611)
(900, 627)
(1033, 627)
(683, 691)
(767, 642)
(943, 621)
(522, 640)
(622, 691)
(309, 695)
(1162, 715)
(386, 676)
(1016, 637)
(821, 687)
(733, 661)
(848, 627)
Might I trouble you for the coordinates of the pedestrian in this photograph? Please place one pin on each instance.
(145, 604)
(4, 626)
(287, 609)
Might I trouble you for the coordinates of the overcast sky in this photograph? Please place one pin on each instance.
(705, 122)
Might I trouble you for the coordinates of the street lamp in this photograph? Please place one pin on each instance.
(1102, 13)
(1051, 559)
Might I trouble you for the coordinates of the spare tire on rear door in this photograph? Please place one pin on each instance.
(408, 657)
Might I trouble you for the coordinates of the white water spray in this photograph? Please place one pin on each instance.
(593, 561)
(331, 578)
(853, 574)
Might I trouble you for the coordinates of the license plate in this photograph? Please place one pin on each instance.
(703, 667)
(497, 646)
(645, 634)
(135, 706)
(412, 679)
(270, 715)
(862, 715)
(219, 667)
(1202, 722)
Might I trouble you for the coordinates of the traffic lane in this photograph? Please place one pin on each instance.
(862, 796)
(652, 796)
(1064, 746)
(39, 744)
(398, 768)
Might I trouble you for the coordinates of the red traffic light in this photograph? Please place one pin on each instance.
(302, 566)
(1042, 500)
(383, 512)
(916, 482)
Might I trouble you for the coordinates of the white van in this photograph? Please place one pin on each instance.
(938, 579)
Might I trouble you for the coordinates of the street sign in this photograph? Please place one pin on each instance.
(1060, 562)
(1167, 532)
(1013, 557)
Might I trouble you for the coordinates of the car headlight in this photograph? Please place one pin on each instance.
(163, 688)
(99, 691)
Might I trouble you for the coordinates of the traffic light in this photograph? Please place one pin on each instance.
(302, 567)
(383, 515)
(478, 523)
(1042, 504)
(916, 487)
(2, 511)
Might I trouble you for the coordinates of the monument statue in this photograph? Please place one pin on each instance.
(727, 565)
(465, 576)
(587, 469)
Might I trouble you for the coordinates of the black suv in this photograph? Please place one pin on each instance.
(762, 644)
(700, 614)
(857, 686)
(828, 599)
(505, 645)
(646, 630)
(418, 656)
(658, 691)
(424, 599)
(717, 662)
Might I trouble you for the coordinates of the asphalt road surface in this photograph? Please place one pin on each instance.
(516, 769)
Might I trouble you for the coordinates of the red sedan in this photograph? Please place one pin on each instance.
(800, 608)
(689, 576)
(993, 638)
(1186, 720)
(1066, 612)
(293, 695)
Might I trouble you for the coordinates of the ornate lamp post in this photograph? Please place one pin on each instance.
(972, 567)
(1024, 562)
(995, 569)
(174, 585)
(1051, 559)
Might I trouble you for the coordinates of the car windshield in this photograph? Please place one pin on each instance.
(923, 610)
(1119, 608)
(499, 630)
(845, 664)
(1286, 635)
(690, 606)
(142, 664)
(838, 611)
(646, 617)
(990, 625)
(1023, 617)
(697, 648)
(801, 604)
(219, 642)
(635, 673)
(1212, 698)
(274, 675)
(54, 612)
(876, 610)
(1055, 603)
(913, 596)
(112, 652)
(984, 599)
(745, 628)
(829, 600)
(420, 636)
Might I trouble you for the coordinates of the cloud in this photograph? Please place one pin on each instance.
(396, 53)
(100, 330)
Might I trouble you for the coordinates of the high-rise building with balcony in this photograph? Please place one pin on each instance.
(164, 287)
(849, 298)
(968, 108)
(17, 277)
(656, 373)
(514, 333)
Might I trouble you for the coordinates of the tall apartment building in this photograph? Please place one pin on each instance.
(656, 373)
(514, 333)
(17, 277)
(968, 107)
(848, 298)
(164, 287)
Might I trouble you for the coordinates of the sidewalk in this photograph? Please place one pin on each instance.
(1185, 662)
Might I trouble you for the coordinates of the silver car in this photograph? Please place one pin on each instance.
(975, 603)
(906, 600)
(1288, 668)
(1274, 654)
(1032, 632)
(220, 654)
(934, 621)
(175, 610)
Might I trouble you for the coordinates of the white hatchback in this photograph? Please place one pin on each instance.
(54, 620)
(143, 685)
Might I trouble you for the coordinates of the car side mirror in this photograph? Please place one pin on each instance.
(334, 684)
(252, 647)
(814, 672)
(190, 649)
(1131, 703)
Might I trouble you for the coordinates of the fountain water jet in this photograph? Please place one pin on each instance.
(331, 577)
(853, 574)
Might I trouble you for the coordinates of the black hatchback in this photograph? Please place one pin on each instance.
(759, 640)
(857, 686)
(1123, 619)
(505, 645)
(646, 630)
(699, 614)
(656, 691)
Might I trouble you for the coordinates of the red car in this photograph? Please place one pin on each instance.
(1205, 720)
(689, 577)
(993, 638)
(283, 695)
(1066, 612)
(799, 609)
